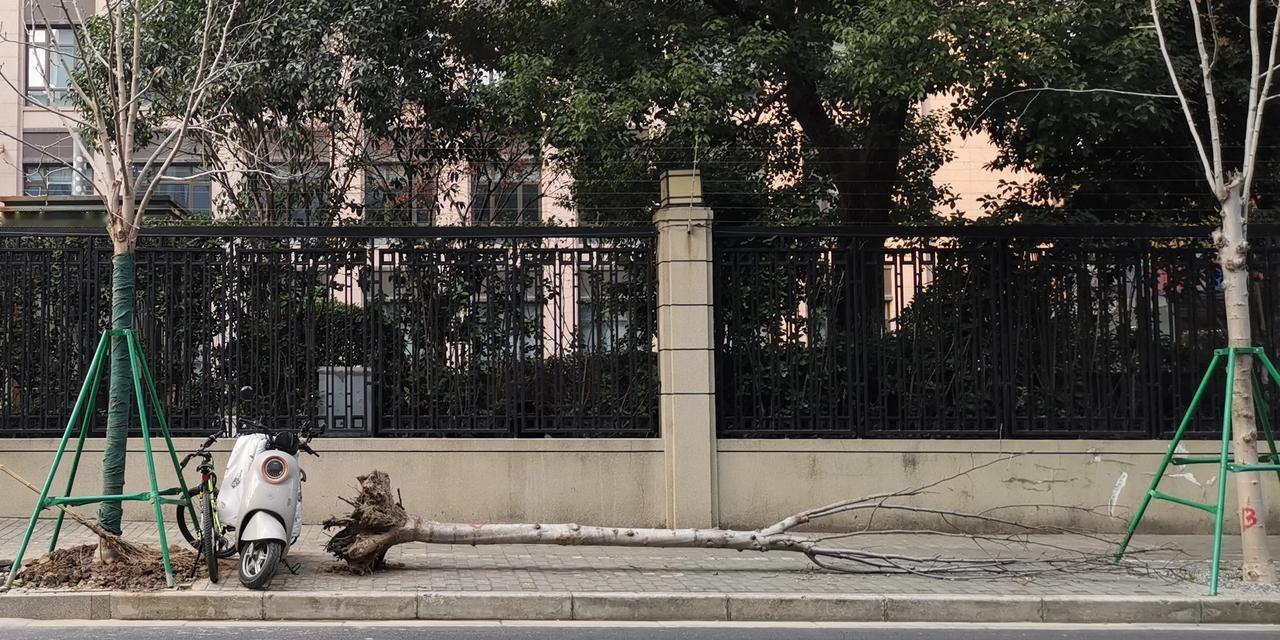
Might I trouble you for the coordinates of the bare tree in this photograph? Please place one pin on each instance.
(138, 76)
(378, 521)
(1231, 186)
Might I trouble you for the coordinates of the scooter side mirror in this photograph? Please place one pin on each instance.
(246, 393)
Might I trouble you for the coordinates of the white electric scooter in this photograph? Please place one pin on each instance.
(261, 497)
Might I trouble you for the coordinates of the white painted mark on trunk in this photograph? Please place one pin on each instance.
(1115, 492)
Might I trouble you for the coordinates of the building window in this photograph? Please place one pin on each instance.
(50, 54)
(604, 317)
(516, 313)
(394, 193)
(301, 198)
(47, 180)
(192, 194)
(276, 194)
(507, 197)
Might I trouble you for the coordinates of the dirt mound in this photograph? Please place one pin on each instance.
(80, 568)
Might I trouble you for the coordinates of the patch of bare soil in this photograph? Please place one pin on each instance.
(80, 568)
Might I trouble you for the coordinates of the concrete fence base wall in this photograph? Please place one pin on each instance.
(624, 482)
(1087, 484)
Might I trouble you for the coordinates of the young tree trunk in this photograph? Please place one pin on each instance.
(120, 394)
(1233, 251)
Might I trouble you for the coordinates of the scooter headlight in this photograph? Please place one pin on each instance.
(274, 469)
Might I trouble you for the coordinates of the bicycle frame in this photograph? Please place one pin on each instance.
(208, 484)
(210, 481)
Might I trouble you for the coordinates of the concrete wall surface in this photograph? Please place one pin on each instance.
(469, 480)
(1089, 484)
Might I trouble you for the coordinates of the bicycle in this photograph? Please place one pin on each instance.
(212, 543)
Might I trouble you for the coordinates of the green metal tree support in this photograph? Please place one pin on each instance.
(1222, 358)
(81, 416)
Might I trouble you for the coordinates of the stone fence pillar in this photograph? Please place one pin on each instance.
(686, 351)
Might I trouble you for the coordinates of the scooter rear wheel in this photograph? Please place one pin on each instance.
(258, 562)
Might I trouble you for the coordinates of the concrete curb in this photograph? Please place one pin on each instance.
(747, 607)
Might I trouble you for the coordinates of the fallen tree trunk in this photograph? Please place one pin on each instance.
(376, 525)
(378, 522)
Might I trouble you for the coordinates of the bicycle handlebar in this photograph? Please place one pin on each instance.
(199, 453)
(209, 441)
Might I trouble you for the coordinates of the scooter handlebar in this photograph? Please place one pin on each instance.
(250, 426)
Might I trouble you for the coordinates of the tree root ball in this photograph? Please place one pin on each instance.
(362, 538)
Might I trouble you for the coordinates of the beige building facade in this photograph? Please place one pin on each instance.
(38, 157)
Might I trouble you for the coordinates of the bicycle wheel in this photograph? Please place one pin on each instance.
(210, 538)
(191, 530)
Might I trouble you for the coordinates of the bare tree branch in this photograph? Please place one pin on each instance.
(1215, 185)
(804, 517)
(44, 152)
(1210, 100)
(1258, 99)
(1038, 90)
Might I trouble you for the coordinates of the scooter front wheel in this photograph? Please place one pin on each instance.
(258, 562)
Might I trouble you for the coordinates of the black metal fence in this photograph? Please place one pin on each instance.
(495, 332)
(1019, 332)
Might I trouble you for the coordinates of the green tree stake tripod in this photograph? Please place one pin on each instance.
(1222, 358)
(81, 416)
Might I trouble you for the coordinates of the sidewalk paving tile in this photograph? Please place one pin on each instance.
(419, 568)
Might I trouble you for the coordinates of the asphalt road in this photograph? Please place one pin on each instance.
(642, 631)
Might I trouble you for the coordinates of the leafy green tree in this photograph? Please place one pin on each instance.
(1079, 96)
(793, 110)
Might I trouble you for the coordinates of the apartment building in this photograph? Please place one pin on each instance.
(39, 158)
